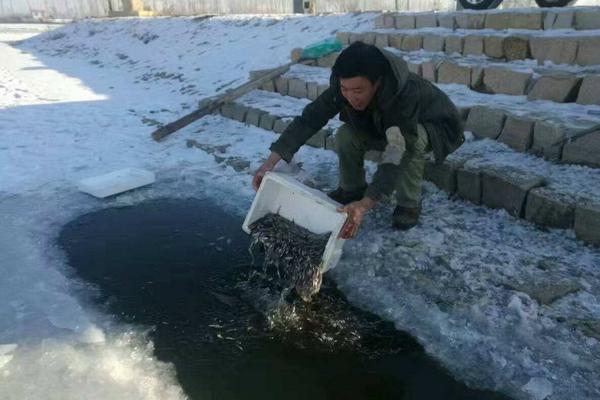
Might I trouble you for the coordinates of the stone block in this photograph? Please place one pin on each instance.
(517, 133)
(280, 125)
(507, 188)
(227, 110)
(380, 21)
(412, 43)
(343, 37)
(564, 20)
(405, 21)
(587, 19)
(557, 88)
(493, 46)
(516, 48)
(559, 20)
(442, 175)
(395, 40)
(369, 37)
(470, 20)
(477, 79)
(429, 70)
(549, 19)
(547, 137)
(587, 223)
(584, 150)
(546, 207)
(463, 112)
(559, 50)
(234, 111)
(318, 139)
(321, 88)
(589, 51)
(382, 40)
(281, 85)
(433, 42)
(446, 20)
(414, 68)
(498, 21)
(533, 20)
(267, 121)
(449, 72)
(426, 20)
(485, 122)
(268, 86)
(468, 181)
(355, 37)
(328, 60)
(297, 88)
(253, 116)
(473, 45)
(454, 44)
(505, 81)
(388, 21)
(589, 92)
(312, 90)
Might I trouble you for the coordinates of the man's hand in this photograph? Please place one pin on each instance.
(356, 212)
(266, 167)
(259, 175)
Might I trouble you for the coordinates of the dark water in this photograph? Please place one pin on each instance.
(182, 267)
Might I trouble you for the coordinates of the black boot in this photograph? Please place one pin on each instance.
(405, 218)
(345, 197)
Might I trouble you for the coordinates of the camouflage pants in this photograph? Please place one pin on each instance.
(351, 146)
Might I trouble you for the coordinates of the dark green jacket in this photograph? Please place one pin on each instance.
(404, 99)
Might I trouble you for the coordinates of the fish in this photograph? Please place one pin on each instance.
(295, 252)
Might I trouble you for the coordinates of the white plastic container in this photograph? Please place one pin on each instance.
(116, 182)
(309, 208)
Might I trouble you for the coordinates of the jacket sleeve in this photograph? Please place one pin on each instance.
(314, 117)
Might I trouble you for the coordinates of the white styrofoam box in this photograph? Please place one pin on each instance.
(116, 182)
(309, 208)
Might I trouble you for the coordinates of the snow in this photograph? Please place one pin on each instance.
(98, 91)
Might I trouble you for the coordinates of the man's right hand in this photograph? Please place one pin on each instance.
(266, 167)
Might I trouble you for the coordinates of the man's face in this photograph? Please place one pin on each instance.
(358, 91)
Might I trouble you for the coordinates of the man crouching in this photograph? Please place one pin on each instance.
(384, 107)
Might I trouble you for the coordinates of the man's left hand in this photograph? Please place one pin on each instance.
(356, 212)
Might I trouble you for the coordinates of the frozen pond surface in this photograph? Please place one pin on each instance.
(181, 269)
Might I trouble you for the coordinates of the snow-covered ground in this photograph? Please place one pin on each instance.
(82, 100)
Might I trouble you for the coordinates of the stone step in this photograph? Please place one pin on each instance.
(576, 48)
(538, 127)
(484, 74)
(487, 75)
(550, 195)
(578, 18)
(484, 172)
